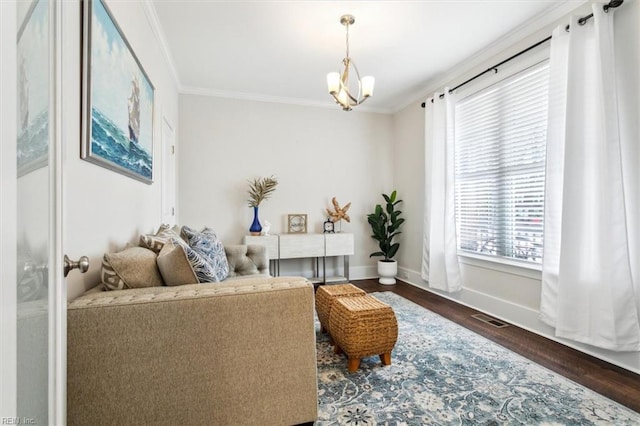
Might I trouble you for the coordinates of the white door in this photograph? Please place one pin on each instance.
(34, 321)
(168, 173)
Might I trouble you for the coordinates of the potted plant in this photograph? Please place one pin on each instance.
(385, 224)
(259, 190)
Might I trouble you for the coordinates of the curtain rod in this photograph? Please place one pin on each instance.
(611, 5)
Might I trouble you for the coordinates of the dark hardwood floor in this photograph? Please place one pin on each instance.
(606, 379)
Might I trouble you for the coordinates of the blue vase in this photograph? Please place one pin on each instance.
(255, 226)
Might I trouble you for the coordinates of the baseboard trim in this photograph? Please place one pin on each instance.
(363, 272)
(521, 316)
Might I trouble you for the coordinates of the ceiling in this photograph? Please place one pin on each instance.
(282, 50)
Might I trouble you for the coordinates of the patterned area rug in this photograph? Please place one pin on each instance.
(444, 374)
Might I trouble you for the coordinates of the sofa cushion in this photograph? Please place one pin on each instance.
(133, 267)
(206, 254)
(156, 241)
(174, 265)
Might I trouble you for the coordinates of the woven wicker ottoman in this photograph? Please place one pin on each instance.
(361, 327)
(327, 294)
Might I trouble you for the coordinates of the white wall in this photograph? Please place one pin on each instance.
(103, 210)
(409, 175)
(316, 154)
(509, 292)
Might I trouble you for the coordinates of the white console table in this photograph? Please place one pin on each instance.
(293, 246)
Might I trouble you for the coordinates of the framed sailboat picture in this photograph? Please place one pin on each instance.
(118, 98)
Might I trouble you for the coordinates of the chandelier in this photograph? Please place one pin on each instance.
(338, 82)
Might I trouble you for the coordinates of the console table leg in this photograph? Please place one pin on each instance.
(346, 267)
(324, 269)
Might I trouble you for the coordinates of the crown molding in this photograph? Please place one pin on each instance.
(539, 26)
(156, 28)
(227, 94)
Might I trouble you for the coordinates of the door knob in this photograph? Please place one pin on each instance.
(82, 264)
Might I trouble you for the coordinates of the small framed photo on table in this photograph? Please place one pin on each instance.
(297, 223)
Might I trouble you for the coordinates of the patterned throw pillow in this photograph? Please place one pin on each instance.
(165, 233)
(206, 254)
(133, 267)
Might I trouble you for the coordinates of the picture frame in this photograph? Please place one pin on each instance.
(32, 145)
(297, 223)
(117, 98)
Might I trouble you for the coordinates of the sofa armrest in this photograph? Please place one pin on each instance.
(248, 259)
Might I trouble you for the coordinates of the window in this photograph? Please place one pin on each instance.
(500, 142)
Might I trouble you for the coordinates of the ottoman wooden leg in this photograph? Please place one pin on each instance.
(386, 358)
(337, 349)
(354, 364)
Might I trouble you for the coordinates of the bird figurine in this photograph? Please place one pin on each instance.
(266, 227)
(339, 213)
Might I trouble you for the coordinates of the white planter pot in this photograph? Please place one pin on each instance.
(387, 272)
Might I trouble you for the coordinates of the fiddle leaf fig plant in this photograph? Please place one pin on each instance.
(385, 224)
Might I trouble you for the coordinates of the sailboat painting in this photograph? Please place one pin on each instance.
(32, 149)
(117, 98)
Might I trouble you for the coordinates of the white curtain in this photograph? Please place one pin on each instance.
(587, 285)
(439, 253)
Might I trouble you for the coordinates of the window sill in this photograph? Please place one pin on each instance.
(523, 269)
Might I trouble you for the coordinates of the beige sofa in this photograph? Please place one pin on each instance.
(240, 352)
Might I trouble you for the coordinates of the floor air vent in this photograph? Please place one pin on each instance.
(489, 320)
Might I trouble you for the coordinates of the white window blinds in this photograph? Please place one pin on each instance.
(500, 143)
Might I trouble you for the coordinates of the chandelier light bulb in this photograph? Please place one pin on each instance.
(367, 85)
(333, 82)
